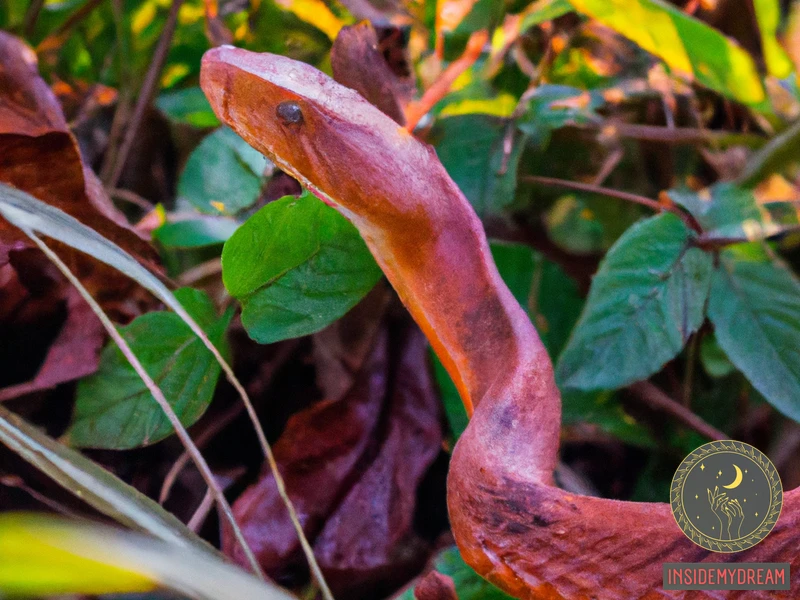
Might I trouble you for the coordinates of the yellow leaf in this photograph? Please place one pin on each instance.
(35, 559)
(687, 45)
(316, 13)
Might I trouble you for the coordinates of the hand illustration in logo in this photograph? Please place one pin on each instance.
(728, 511)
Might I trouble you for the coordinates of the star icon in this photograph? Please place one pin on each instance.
(702, 467)
(696, 496)
(719, 473)
(756, 514)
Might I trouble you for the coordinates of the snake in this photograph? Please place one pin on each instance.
(511, 523)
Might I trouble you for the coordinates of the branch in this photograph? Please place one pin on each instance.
(658, 400)
(687, 219)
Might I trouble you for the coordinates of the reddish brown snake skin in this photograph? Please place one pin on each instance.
(511, 524)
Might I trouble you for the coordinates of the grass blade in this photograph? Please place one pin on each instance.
(94, 485)
(44, 556)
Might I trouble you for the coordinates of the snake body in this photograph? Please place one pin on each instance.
(511, 524)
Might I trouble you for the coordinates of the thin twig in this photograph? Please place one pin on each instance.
(657, 399)
(220, 422)
(199, 516)
(612, 193)
(416, 110)
(676, 135)
(146, 93)
(31, 16)
(159, 397)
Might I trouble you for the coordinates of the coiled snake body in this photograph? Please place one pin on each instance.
(511, 524)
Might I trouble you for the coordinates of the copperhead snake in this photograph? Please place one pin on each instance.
(511, 524)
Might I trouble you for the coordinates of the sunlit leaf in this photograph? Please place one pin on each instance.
(316, 13)
(296, 266)
(646, 299)
(687, 45)
(768, 17)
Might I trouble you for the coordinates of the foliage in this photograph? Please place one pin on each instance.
(634, 163)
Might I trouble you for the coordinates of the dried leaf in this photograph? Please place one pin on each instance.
(358, 64)
(352, 468)
(73, 354)
(33, 133)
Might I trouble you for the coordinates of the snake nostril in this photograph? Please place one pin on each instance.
(289, 112)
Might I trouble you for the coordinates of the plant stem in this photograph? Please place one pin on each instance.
(687, 219)
(146, 94)
(655, 398)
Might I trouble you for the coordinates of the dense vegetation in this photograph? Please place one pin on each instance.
(636, 167)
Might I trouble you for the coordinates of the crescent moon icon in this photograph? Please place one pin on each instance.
(736, 481)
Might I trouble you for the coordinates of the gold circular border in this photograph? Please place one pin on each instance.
(743, 543)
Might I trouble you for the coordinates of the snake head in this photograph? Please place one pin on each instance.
(310, 127)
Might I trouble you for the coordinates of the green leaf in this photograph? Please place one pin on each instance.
(768, 16)
(715, 361)
(93, 484)
(469, 585)
(606, 411)
(687, 45)
(471, 148)
(453, 407)
(572, 225)
(645, 301)
(485, 14)
(540, 11)
(296, 266)
(755, 308)
(727, 211)
(188, 106)
(549, 296)
(779, 152)
(195, 233)
(551, 107)
(223, 175)
(115, 410)
(44, 556)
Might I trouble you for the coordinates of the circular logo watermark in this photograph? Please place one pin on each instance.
(726, 496)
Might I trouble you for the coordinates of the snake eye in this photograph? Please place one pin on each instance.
(289, 112)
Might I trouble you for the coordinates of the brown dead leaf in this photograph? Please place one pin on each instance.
(436, 586)
(75, 353)
(39, 155)
(35, 298)
(352, 468)
(359, 63)
(341, 348)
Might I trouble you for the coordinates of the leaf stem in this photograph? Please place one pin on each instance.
(159, 397)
